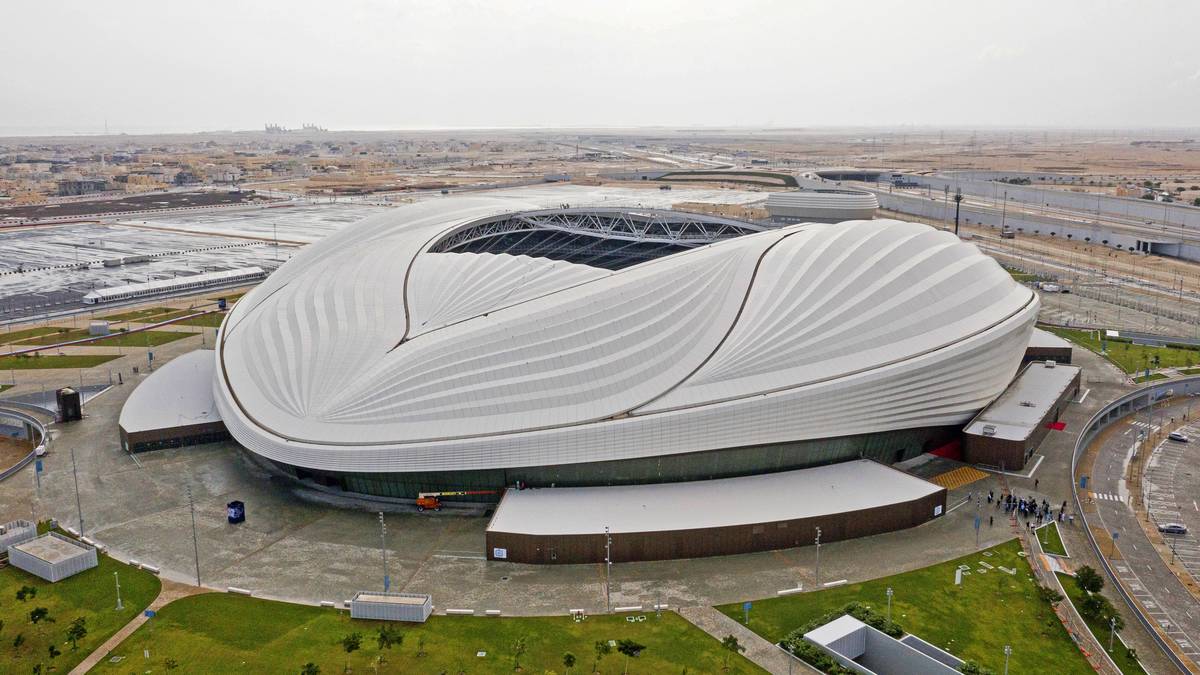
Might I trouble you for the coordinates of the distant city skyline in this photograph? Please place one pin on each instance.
(144, 67)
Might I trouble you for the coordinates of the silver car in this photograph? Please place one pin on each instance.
(1173, 528)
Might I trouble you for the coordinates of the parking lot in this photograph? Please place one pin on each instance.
(1172, 491)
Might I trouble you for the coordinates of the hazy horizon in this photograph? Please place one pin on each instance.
(148, 68)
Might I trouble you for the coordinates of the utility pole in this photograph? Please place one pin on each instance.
(78, 506)
(195, 541)
(607, 569)
(387, 581)
(818, 573)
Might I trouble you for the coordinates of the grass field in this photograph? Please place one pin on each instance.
(151, 338)
(1051, 539)
(972, 621)
(1020, 276)
(9, 337)
(1190, 371)
(1120, 654)
(213, 633)
(1149, 378)
(55, 361)
(149, 315)
(90, 594)
(5, 386)
(207, 321)
(1130, 357)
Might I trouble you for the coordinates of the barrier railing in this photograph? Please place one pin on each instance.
(37, 426)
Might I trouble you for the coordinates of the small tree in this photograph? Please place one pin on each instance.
(310, 668)
(170, 664)
(26, 593)
(40, 614)
(1088, 579)
(76, 632)
(53, 651)
(18, 641)
(568, 661)
(351, 643)
(630, 649)
(731, 646)
(973, 668)
(420, 644)
(519, 647)
(602, 649)
(388, 637)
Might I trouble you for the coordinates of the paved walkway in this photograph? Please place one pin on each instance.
(764, 654)
(170, 591)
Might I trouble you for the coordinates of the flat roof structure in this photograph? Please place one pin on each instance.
(725, 502)
(415, 607)
(1021, 408)
(710, 517)
(867, 650)
(51, 549)
(52, 556)
(1045, 339)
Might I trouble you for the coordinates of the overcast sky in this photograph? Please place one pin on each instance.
(172, 66)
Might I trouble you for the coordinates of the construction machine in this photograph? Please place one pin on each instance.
(433, 500)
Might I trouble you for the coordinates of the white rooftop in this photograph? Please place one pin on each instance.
(834, 630)
(789, 495)
(178, 394)
(1044, 338)
(1018, 411)
(51, 549)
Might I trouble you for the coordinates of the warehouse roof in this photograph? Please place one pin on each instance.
(1020, 409)
(178, 394)
(789, 495)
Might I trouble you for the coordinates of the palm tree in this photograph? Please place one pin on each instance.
(630, 649)
(731, 646)
(568, 661)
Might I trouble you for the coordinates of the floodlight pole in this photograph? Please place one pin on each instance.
(818, 572)
(195, 540)
(387, 582)
(78, 505)
(121, 606)
(607, 569)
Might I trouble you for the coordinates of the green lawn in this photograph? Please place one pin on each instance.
(149, 315)
(1190, 371)
(90, 594)
(151, 338)
(231, 298)
(207, 321)
(1149, 378)
(55, 361)
(1130, 357)
(1120, 654)
(1020, 276)
(220, 633)
(972, 621)
(1051, 539)
(8, 337)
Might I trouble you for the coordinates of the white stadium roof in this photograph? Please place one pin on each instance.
(368, 352)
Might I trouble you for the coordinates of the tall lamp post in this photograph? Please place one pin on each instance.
(1007, 653)
(958, 197)
(889, 596)
(387, 582)
(121, 606)
(78, 505)
(607, 569)
(818, 557)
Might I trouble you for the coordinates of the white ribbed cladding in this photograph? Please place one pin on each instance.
(458, 286)
(584, 353)
(804, 332)
(825, 204)
(835, 299)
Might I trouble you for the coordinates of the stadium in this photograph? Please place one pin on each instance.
(468, 344)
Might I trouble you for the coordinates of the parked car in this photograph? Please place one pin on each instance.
(1178, 436)
(1173, 528)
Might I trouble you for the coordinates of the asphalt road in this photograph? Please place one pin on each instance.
(1139, 565)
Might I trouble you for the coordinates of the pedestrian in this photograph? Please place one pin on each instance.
(1035, 483)
(991, 521)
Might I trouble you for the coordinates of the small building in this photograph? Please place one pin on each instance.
(16, 532)
(52, 556)
(821, 205)
(725, 516)
(1007, 432)
(81, 186)
(1046, 346)
(98, 327)
(867, 650)
(415, 607)
(174, 406)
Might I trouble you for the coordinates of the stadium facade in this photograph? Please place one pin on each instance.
(468, 344)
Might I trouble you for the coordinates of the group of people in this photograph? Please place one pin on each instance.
(1030, 509)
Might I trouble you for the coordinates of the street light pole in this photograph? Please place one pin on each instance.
(958, 197)
(818, 574)
(889, 596)
(195, 540)
(121, 606)
(78, 506)
(607, 569)
(1112, 630)
(387, 582)
(1007, 653)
